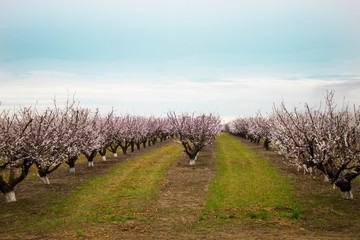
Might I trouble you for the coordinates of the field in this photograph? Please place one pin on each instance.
(236, 190)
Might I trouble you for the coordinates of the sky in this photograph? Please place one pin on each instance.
(147, 57)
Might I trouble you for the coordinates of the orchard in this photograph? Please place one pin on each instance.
(61, 134)
(200, 171)
(326, 138)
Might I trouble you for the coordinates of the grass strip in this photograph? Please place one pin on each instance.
(247, 183)
(115, 196)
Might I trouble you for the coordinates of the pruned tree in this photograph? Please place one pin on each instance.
(260, 128)
(154, 126)
(239, 127)
(140, 131)
(126, 132)
(105, 125)
(88, 137)
(14, 156)
(54, 137)
(194, 132)
(165, 129)
(93, 137)
(327, 139)
(114, 132)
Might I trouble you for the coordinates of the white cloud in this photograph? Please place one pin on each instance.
(141, 93)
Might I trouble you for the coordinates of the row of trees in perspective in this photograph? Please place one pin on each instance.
(326, 138)
(61, 134)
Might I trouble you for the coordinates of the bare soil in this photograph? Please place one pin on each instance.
(182, 196)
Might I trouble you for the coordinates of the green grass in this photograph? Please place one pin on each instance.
(115, 196)
(245, 182)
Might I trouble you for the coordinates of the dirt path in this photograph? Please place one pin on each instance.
(182, 195)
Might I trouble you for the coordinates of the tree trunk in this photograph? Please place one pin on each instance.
(10, 197)
(7, 190)
(102, 151)
(113, 149)
(193, 158)
(124, 149)
(42, 173)
(132, 144)
(45, 180)
(71, 162)
(266, 144)
(138, 146)
(90, 157)
(347, 195)
(345, 188)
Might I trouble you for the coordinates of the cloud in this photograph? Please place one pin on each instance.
(323, 77)
(151, 94)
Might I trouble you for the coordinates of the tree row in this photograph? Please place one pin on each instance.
(60, 135)
(326, 138)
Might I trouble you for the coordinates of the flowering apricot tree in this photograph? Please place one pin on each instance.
(88, 137)
(239, 127)
(55, 137)
(154, 128)
(32, 138)
(105, 129)
(260, 128)
(126, 134)
(140, 131)
(92, 137)
(194, 132)
(327, 139)
(14, 156)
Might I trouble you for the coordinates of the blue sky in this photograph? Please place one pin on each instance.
(147, 56)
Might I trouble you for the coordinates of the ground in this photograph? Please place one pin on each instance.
(177, 210)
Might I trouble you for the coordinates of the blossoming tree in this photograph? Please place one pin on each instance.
(194, 132)
(327, 139)
(54, 137)
(14, 156)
